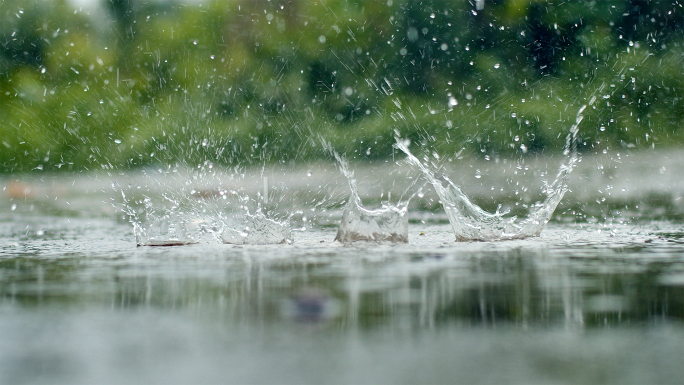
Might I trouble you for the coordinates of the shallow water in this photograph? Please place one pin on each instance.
(597, 298)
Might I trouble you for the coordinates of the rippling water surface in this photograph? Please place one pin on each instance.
(597, 298)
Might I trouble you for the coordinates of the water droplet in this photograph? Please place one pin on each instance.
(478, 174)
(403, 52)
(309, 173)
(497, 65)
(412, 34)
(13, 207)
(321, 39)
(523, 148)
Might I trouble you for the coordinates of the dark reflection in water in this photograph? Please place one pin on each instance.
(525, 287)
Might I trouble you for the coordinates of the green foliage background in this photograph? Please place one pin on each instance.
(132, 83)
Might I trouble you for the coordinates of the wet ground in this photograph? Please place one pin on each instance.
(597, 298)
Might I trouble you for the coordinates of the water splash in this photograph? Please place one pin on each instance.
(471, 223)
(208, 215)
(389, 223)
(257, 229)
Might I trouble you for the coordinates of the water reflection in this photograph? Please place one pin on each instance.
(526, 287)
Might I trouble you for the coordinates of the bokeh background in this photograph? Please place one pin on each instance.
(118, 84)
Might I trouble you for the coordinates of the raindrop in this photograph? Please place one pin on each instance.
(321, 39)
(412, 34)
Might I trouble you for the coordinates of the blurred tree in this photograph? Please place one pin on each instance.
(548, 44)
(21, 42)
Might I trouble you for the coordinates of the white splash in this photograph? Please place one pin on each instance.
(183, 216)
(471, 223)
(257, 229)
(389, 223)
